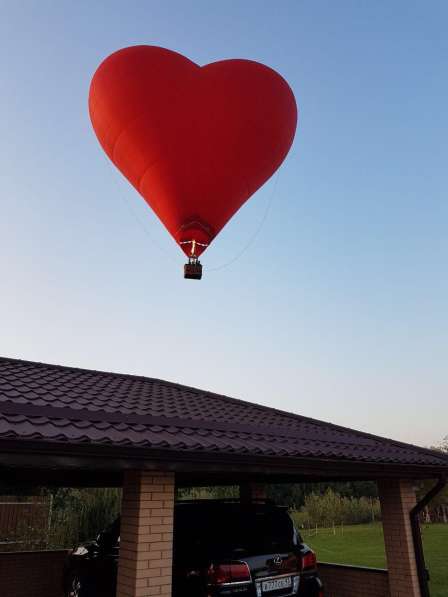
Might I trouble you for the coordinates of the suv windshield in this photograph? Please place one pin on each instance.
(226, 530)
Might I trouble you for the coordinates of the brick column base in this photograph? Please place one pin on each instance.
(146, 535)
(397, 500)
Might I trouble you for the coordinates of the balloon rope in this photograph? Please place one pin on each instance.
(245, 248)
(254, 236)
(143, 226)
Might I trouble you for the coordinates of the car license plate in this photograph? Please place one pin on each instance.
(276, 584)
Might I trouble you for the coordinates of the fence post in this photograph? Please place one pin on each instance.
(50, 512)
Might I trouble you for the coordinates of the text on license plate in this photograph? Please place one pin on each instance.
(276, 584)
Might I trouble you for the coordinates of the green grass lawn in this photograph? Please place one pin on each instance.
(363, 545)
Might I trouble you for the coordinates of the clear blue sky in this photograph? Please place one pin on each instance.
(338, 310)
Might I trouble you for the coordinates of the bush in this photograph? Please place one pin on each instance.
(332, 508)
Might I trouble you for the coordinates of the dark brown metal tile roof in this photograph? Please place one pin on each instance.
(51, 403)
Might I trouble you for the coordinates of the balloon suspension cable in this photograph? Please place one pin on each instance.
(257, 231)
(145, 228)
(193, 269)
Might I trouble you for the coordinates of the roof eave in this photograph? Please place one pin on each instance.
(57, 460)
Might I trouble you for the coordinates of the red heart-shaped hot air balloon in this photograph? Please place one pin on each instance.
(196, 142)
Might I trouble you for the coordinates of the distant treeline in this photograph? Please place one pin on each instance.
(331, 508)
(321, 504)
(294, 495)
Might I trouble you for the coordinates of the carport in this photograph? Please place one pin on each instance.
(74, 427)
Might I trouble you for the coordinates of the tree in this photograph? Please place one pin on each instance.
(437, 510)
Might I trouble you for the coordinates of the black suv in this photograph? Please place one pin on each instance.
(222, 548)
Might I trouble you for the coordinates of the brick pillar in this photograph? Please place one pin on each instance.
(146, 535)
(397, 500)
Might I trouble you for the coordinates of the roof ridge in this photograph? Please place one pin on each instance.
(260, 407)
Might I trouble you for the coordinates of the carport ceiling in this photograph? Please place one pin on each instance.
(83, 422)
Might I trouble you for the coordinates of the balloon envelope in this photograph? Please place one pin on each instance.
(196, 142)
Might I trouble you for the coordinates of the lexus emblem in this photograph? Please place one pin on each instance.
(277, 560)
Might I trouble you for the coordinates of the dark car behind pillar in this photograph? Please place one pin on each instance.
(222, 548)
